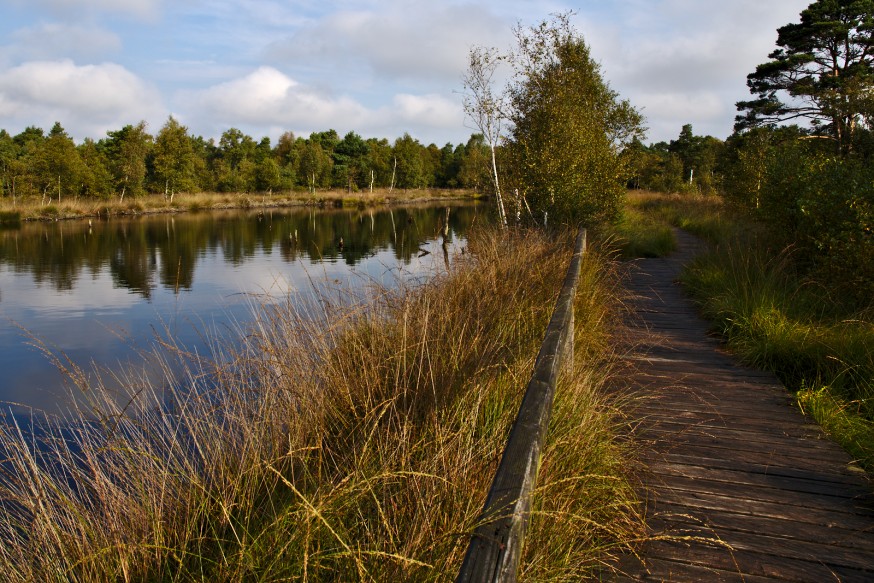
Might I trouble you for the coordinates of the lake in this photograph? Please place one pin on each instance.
(101, 292)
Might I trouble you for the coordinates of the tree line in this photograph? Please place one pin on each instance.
(810, 192)
(130, 162)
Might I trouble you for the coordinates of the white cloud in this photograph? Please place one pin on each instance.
(667, 112)
(87, 99)
(397, 41)
(430, 110)
(267, 97)
(145, 9)
(684, 60)
(54, 40)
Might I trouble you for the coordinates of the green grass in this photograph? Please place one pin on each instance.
(776, 317)
(640, 234)
(49, 211)
(343, 441)
(841, 418)
(704, 216)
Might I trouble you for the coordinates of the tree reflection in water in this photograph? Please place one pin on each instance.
(93, 289)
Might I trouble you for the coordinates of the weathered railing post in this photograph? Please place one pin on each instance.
(496, 545)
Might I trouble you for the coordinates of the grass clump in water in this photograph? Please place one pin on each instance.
(10, 218)
(349, 441)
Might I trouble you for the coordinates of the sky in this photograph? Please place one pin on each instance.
(379, 68)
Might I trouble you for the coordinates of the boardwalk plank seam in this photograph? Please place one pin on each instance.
(736, 476)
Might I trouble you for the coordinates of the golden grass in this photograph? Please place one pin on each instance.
(36, 209)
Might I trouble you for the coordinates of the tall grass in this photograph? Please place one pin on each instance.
(704, 216)
(344, 441)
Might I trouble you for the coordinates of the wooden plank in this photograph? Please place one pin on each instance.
(730, 441)
(750, 427)
(715, 457)
(705, 501)
(741, 408)
(793, 505)
(749, 563)
(808, 483)
(741, 486)
(754, 419)
(664, 570)
(675, 434)
(764, 543)
(846, 477)
(717, 520)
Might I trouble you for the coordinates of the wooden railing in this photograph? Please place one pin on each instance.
(496, 545)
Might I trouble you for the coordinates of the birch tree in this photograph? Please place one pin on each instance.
(174, 159)
(485, 108)
(568, 127)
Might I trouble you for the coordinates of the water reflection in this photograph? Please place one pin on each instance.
(146, 252)
(98, 290)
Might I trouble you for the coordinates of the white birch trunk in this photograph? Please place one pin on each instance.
(501, 214)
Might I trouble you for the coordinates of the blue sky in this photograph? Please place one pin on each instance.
(380, 68)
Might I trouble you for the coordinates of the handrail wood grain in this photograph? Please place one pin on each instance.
(496, 545)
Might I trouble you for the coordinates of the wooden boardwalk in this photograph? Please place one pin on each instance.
(740, 485)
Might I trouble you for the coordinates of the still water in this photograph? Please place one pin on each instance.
(101, 292)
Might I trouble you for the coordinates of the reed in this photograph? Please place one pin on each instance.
(34, 208)
(351, 439)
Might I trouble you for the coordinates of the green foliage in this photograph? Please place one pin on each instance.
(836, 219)
(410, 166)
(56, 166)
(127, 151)
(810, 197)
(568, 127)
(474, 167)
(823, 71)
(686, 165)
(350, 166)
(50, 211)
(174, 158)
(314, 164)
